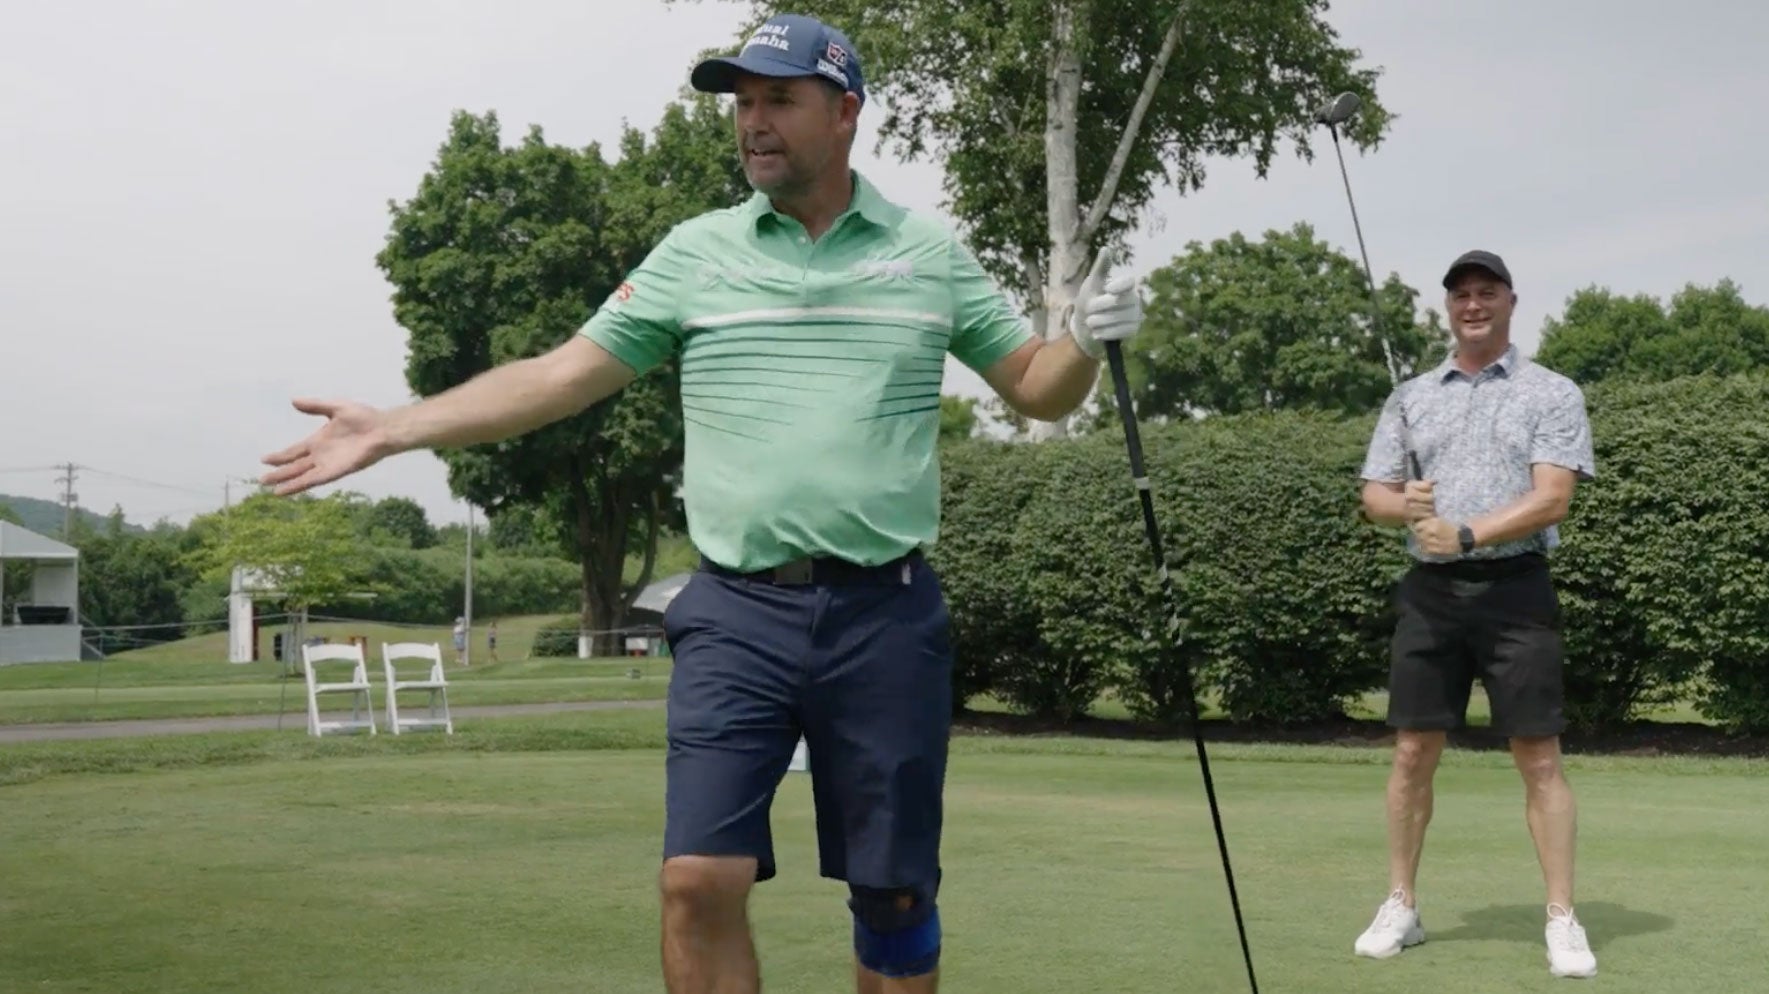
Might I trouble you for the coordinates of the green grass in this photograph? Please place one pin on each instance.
(144, 686)
(515, 636)
(136, 689)
(520, 855)
(1371, 706)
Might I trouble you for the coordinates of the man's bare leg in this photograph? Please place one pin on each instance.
(707, 948)
(1551, 811)
(1410, 797)
(867, 982)
(1553, 824)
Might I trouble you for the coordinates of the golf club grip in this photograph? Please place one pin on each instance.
(1413, 464)
(1133, 443)
(1121, 390)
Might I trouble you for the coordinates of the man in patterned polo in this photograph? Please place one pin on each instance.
(812, 324)
(1501, 442)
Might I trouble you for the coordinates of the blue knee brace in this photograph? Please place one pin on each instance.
(891, 940)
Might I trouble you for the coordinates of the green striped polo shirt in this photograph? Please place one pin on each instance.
(811, 372)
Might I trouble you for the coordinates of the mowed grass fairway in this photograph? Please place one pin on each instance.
(521, 856)
(128, 688)
(152, 684)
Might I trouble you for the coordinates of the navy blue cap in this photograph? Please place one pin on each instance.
(787, 45)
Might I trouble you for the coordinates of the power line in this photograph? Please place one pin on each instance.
(69, 473)
(68, 468)
(138, 481)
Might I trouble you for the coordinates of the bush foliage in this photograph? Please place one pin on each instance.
(1284, 592)
(428, 586)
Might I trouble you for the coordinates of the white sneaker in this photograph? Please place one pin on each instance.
(1569, 955)
(1396, 927)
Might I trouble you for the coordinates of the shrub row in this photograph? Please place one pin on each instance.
(428, 586)
(1283, 591)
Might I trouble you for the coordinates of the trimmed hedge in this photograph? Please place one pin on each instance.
(1284, 592)
(1665, 569)
(557, 638)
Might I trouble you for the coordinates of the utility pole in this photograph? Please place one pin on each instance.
(67, 498)
(227, 490)
(467, 650)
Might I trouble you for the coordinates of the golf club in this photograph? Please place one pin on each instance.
(1333, 113)
(1133, 442)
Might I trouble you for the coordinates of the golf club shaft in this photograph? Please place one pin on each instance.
(1369, 274)
(1375, 304)
(1133, 442)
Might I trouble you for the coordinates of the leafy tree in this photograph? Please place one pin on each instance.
(1057, 122)
(305, 548)
(453, 536)
(958, 418)
(399, 520)
(504, 252)
(1602, 335)
(1278, 323)
(525, 530)
(128, 578)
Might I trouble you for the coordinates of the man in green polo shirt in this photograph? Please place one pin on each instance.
(812, 324)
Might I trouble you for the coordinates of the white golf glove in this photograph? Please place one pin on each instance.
(1104, 312)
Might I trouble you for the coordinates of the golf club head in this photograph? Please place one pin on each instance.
(1338, 110)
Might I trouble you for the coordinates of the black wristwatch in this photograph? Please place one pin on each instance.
(1466, 534)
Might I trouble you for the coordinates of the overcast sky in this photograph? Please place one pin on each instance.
(192, 193)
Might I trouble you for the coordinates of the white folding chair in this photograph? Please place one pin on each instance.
(362, 706)
(433, 681)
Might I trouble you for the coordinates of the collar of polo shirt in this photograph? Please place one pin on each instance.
(866, 202)
(1506, 363)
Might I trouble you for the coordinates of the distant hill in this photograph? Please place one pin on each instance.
(45, 516)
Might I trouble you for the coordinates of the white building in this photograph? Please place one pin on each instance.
(43, 627)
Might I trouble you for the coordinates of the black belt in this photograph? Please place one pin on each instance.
(1488, 569)
(822, 571)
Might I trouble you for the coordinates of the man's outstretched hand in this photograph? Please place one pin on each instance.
(353, 438)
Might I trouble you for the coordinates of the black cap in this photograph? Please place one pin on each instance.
(1478, 259)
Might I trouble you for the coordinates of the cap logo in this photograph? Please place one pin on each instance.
(771, 36)
(824, 67)
(837, 54)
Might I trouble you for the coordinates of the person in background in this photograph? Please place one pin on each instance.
(1501, 443)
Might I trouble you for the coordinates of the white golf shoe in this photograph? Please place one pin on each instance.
(1569, 954)
(1395, 928)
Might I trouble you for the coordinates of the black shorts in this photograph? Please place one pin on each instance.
(861, 667)
(1498, 620)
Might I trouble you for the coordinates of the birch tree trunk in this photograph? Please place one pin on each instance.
(1071, 233)
(1067, 254)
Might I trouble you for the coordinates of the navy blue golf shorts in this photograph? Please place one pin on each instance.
(860, 664)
